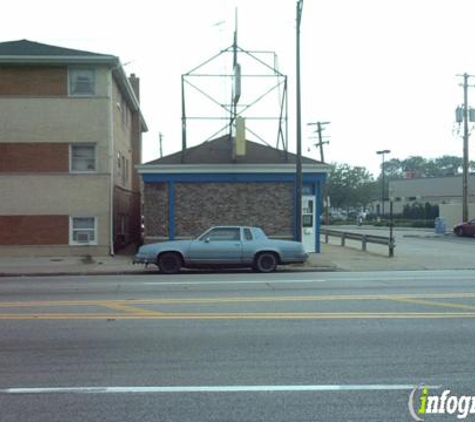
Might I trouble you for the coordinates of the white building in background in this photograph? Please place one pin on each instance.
(443, 191)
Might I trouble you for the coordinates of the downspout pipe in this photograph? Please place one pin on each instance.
(112, 163)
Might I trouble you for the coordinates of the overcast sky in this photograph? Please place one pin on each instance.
(382, 71)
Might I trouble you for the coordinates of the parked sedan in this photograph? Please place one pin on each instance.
(231, 246)
(465, 229)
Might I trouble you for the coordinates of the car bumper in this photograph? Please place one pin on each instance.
(140, 259)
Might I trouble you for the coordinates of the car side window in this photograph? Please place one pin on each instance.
(247, 234)
(259, 234)
(223, 234)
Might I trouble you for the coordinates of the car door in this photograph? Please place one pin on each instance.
(220, 245)
(249, 246)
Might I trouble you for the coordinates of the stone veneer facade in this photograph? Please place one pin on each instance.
(199, 206)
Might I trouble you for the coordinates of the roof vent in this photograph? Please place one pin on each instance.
(240, 139)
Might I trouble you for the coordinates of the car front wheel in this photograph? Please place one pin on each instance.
(265, 262)
(460, 232)
(169, 263)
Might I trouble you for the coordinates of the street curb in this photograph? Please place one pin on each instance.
(145, 272)
(427, 236)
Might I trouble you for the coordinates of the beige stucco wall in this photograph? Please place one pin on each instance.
(452, 213)
(53, 119)
(444, 188)
(73, 195)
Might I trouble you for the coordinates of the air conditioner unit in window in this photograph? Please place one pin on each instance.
(83, 237)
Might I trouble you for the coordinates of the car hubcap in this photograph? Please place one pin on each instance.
(267, 263)
(169, 263)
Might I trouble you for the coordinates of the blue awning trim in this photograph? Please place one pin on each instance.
(230, 177)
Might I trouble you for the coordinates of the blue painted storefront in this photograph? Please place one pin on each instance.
(311, 185)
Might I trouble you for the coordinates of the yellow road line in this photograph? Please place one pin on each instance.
(243, 316)
(432, 303)
(130, 309)
(48, 303)
(248, 299)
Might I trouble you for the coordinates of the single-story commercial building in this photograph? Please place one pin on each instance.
(210, 184)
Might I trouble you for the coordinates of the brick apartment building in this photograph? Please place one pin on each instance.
(70, 137)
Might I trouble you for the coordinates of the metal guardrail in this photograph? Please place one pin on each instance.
(364, 238)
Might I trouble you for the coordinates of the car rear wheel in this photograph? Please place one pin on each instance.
(460, 232)
(169, 263)
(265, 262)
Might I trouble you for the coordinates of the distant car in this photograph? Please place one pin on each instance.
(465, 229)
(231, 246)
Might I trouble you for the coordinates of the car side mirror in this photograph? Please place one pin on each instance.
(207, 240)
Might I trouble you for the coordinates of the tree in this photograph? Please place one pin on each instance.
(447, 165)
(350, 186)
(393, 169)
(415, 164)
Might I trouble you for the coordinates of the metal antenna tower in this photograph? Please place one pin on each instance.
(248, 91)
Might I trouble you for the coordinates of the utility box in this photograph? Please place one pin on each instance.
(439, 225)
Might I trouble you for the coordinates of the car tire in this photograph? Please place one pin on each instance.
(265, 262)
(460, 232)
(169, 262)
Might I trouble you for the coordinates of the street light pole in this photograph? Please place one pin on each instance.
(382, 153)
(298, 170)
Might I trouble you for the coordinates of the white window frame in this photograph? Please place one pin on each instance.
(72, 230)
(73, 72)
(124, 169)
(71, 148)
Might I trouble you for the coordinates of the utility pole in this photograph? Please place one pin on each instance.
(321, 142)
(298, 169)
(466, 135)
(183, 120)
(382, 152)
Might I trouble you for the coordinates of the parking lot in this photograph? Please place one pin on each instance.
(416, 249)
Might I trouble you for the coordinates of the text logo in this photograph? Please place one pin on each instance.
(422, 403)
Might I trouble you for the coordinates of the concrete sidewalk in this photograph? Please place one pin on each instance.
(119, 264)
(332, 258)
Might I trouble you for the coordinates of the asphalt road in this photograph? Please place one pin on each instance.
(234, 347)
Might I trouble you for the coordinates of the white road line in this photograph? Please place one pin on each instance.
(227, 282)
(211, 389)
(385, 278)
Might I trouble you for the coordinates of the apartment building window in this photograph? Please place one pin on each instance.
(83, 231)
(122, 168)
(82, 158)
(82, 82)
